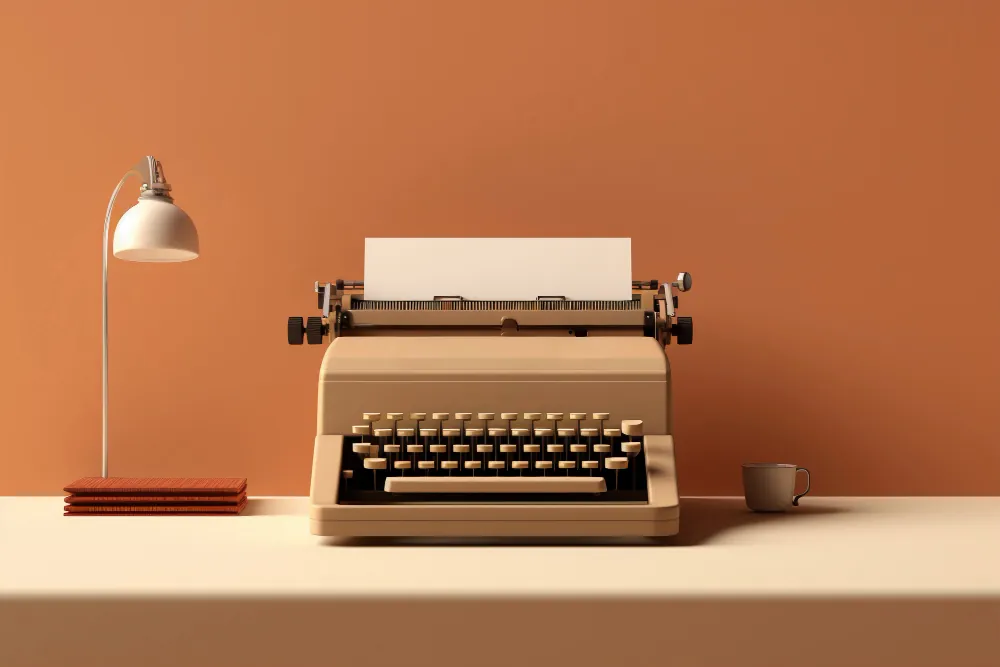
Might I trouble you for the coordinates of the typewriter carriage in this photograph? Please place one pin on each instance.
(345, 311)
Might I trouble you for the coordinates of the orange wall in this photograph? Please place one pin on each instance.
(827, 172)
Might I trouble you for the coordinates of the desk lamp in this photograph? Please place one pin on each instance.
(154, 230)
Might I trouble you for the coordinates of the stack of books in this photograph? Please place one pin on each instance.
(156, 496)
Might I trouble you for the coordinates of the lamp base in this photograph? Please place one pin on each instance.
(156, 496)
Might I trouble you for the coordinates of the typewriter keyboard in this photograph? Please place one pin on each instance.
(491, 457)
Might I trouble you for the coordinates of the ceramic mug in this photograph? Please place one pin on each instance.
(770, 487)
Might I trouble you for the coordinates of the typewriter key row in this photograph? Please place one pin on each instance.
(561, 425)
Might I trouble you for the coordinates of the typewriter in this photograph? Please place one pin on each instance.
(456, 417)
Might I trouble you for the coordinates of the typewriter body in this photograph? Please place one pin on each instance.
(456, 417)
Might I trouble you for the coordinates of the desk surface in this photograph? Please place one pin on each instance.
(828, 547)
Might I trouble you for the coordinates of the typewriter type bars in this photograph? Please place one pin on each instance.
(488, 456)
(651, 310)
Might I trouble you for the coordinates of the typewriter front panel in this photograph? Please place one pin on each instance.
(628, 378)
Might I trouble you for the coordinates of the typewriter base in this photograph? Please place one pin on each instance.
(658, 517)
(494, 528)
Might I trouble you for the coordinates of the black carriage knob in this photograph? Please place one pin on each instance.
(296, 331)
(683, 330)
(315, 330)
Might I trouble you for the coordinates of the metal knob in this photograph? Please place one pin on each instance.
(683, 329)
(296, 331)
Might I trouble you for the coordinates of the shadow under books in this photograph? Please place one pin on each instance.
(702, 521)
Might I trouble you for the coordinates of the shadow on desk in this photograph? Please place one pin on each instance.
(702, 520)
(273, 507)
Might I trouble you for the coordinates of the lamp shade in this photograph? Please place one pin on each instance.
(155, 230)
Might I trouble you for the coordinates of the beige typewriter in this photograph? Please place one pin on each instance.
(459, 417)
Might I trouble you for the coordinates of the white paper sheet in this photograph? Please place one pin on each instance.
(498, 268)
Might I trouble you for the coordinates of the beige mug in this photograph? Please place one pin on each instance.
(770, 487)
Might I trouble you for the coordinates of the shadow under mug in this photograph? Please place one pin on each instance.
(770, 487)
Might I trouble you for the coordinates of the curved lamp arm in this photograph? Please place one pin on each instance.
(154, 183)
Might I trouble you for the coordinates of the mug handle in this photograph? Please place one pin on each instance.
(795, 500)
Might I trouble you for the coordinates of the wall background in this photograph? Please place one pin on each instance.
(826, 171)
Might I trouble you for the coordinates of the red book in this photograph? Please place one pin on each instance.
(142, 499)
(158, 486)
(154, 510)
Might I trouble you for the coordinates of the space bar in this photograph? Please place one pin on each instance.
(495, 485)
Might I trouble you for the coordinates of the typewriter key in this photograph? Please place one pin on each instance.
(616, 462)
(632, 427)
(631, 448)
(375, 464)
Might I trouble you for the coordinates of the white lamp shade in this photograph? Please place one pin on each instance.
(155, 230)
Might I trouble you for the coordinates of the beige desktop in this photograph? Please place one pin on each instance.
(451, 416)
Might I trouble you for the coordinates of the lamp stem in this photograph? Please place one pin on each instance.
(104, 401)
